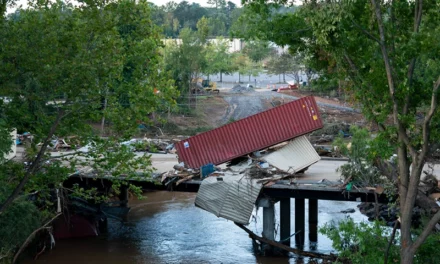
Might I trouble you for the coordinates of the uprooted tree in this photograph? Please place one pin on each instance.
(62, 69)
(389, 52)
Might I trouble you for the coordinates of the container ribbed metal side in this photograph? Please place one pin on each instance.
(250, 134)
(233, 197)
(295, 156)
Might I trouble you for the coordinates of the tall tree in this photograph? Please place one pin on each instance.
(218, 58)
(244, 66)
(58, 64)
(219, 4)
(185, 58)
(286, 64)
(389, 51)
(257, 50)
(4, 4)
(189, 14)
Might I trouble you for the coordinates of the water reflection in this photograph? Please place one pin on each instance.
(167, 228)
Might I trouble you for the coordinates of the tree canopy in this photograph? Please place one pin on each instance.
(173, 17)
(62, 70)
(389, 53)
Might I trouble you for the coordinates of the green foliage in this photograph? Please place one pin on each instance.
(362, 152)
(387, 54)
(286, 64)
(173, 17)
(5, 140)
(366, 242)
(186, 61)
(427, 252)
(218, 59)
(287, 25)
(91, 194)
(17, 222)
(62, 69)
(361, 242)
(257, 50)
(242, 64)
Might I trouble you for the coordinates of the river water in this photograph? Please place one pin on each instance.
(166, 227)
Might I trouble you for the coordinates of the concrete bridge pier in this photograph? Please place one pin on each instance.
(285, 221)
(123, 195)
(299, 222)
(313, 223)
(268, 223)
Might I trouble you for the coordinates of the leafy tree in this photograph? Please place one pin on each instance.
(231, 6)
(5, 139)
(4, 4)
(245, 66)
(287, 27)
(219, 4)
(203, 30)
(189, 14)
(63, 68)
(389, 52)
(218, 59)
(219, 18)
(217, 27)
(368, 242)
(257, 50)
(186, 60)
(286, 64)
(174, 16)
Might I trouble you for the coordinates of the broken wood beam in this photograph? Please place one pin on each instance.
(289, 249)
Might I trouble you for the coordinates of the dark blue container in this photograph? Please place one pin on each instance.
(207, 169)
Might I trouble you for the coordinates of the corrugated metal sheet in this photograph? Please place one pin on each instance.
(294, 157)
(233, 198)
(250, 134)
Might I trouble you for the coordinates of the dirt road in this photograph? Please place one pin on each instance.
(246, 104)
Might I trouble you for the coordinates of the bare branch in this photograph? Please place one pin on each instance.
(33, 167)
(386, 59)
(356, 77)
(406, 140)
(63, 156)
(393, 234)
(427, 230)
(418, 15)
(366, 32)
(417, 21)
(427, 121)
(31, 236)
(300, 252)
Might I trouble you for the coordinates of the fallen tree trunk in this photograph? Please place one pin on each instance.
(330, 257)
(428, 185)
(425, 202)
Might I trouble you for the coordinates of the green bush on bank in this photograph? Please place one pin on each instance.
(16, 224)
(367, 242)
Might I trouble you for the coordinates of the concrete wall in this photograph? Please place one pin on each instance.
(235, 45)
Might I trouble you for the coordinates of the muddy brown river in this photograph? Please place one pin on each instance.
(166, 227)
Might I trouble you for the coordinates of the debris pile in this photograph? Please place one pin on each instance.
(231, 192)
(266, 166)
(329, 132)
(242, 89)
(163, 146)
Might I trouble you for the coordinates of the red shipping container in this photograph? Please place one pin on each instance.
(251, 134)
